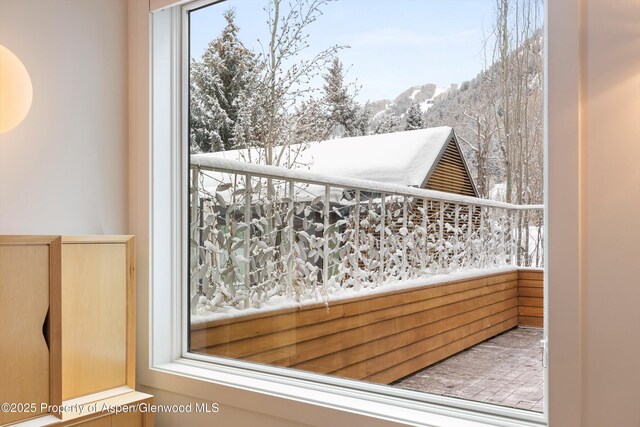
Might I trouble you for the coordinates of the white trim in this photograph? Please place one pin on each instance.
(157, 5)
(545, 219)
(566, 40)
(273, 378)
(163, 316)
(197, 4)
(183, 173)
(401, 409)
(274, 391)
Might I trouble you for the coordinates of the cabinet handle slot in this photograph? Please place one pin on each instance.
(45, 329)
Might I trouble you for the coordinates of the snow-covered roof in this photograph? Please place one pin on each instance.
(403, 158)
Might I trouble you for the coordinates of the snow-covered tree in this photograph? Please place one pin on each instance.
(312, 122)
(227, 69)
(284, 86)
(363, 119)
(516, 77)
(344, 114)
(206, 115)
(518, 103)
(480, 129)
(388, 123)
(251, 118)
(414, 118)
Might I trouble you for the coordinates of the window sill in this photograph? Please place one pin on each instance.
(301, 400)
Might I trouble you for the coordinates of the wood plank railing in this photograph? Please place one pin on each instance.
(531, 298)
(382, 337)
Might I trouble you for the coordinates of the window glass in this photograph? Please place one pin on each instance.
(365, 191)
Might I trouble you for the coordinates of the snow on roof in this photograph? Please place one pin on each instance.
(403, 158)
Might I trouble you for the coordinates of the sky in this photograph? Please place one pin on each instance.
(394, 44)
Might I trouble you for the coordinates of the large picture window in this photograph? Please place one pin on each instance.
(365, 192)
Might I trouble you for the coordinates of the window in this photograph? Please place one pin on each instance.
(316, 240)
(270, 390)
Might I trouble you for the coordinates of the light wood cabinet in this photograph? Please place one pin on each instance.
(131, 419)
(67, 328)
(29, 314)
(97, 291)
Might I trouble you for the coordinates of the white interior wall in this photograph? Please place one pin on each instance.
(610, 194)
(63, 170)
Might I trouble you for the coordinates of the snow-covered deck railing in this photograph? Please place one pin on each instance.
(268, 235)
(207, 163)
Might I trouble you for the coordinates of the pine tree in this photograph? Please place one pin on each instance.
(363, 120)
(218, 81)
(311, 122)
(388, 123)
(251, 119)
(206, 115)
(345, 116)
(414, 117)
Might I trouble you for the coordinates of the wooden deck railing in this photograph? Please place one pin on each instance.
(383, 337)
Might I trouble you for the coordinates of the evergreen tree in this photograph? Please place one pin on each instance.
(414, 118)
(206, 116)
(363, 120)
(251, 120)
(388, 123)
(226, 70)
(311, 122)
(344, 114)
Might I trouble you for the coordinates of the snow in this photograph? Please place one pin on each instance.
(498, 192)
(439, 91)
(381, 112)
(535, 243)
(281, 302)
(402, 158)
(414, 93)
(426, 104)
(337, 183)
(396, 159)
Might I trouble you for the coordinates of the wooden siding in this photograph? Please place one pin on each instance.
(379, 338)
(531, 298)
(450, 174)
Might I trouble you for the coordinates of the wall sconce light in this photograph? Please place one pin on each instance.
(16, 92)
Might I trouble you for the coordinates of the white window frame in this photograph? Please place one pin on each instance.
(277, 391)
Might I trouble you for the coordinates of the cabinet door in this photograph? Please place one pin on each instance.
(97, 321)
(24, 302)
